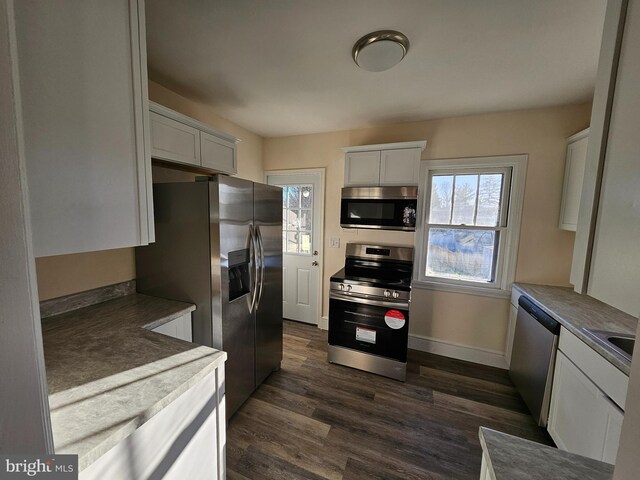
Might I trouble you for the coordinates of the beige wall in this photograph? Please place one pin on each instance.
(66, 274)
(544, 250)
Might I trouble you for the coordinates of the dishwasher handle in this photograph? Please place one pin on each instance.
(543, 318)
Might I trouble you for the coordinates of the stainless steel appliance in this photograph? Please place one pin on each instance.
(535, 343)
(369, 309)
(382, 208)
(219, 245)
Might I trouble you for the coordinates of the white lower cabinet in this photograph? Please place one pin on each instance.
(485, 471)
(184, 440)
(582, 419)
(511, 327)
(178, 328)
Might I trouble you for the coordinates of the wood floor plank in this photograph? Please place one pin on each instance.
(313, 419)
(292, 448)
(258, 465)
(291, 401)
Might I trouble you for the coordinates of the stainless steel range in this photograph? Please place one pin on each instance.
(369, 309)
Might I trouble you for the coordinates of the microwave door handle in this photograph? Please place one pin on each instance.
(261, 246)
(253, 262)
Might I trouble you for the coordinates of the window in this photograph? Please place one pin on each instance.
(297, 212)
(469, 223)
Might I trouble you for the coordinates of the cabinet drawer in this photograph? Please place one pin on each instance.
(607, 377)
(174, 141)
(218, 154)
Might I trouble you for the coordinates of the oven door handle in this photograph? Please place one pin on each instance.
(368, 301)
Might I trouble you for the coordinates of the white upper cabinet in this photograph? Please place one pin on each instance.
(217, 153)
(383, 165)
(400, 166)
(573, 177)
(362, 168)
(83, 88)
(177, 138)
(174, 141)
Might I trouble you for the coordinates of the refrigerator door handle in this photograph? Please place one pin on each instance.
(253, 259)
(261, 245)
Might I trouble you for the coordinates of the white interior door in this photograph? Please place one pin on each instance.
(302, 207)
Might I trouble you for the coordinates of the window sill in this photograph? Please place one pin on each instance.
(466, 289)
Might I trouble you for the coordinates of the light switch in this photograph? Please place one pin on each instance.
(334, 242)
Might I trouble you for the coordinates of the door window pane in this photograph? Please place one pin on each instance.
(305, 243)
(297, 219)
(292, 242)
(305, 220)
(306, 199)
(294, 196)
(462, 254)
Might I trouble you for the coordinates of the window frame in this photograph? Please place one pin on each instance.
(509, 233)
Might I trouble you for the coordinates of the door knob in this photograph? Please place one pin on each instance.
(315, 264)
(315, 252)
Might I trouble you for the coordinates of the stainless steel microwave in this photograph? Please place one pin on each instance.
(382, 208)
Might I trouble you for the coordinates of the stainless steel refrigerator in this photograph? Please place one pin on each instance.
(219, 245)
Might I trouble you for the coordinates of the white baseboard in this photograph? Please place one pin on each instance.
(483, 356)
(323, 324)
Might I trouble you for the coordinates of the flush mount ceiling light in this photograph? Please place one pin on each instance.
(381, 50)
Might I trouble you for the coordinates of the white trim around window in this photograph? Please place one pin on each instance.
(514, 168)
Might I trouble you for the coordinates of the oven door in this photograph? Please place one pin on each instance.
(372, 326)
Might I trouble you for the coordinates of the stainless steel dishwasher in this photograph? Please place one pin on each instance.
(533, 359)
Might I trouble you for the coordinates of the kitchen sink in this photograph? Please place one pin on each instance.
(620, 343)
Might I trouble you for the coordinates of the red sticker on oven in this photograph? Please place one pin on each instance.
(394, 319)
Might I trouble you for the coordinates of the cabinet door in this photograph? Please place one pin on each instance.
(612, 433)
(218, 154)
(581, 420)
(83, 90)
(178, 328)
(573, 177)
(174, 141)
(362, 169)
(400, 167)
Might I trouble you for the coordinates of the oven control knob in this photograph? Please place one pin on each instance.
(387, 293)
(348, 288)
(342, 286)
(395, 294)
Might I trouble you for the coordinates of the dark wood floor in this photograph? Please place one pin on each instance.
(316, 420)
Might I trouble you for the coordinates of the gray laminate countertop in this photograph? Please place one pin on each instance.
(108, 374)
(514, 458)
(576, 312)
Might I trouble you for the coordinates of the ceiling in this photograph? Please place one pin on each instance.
(284, 67)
